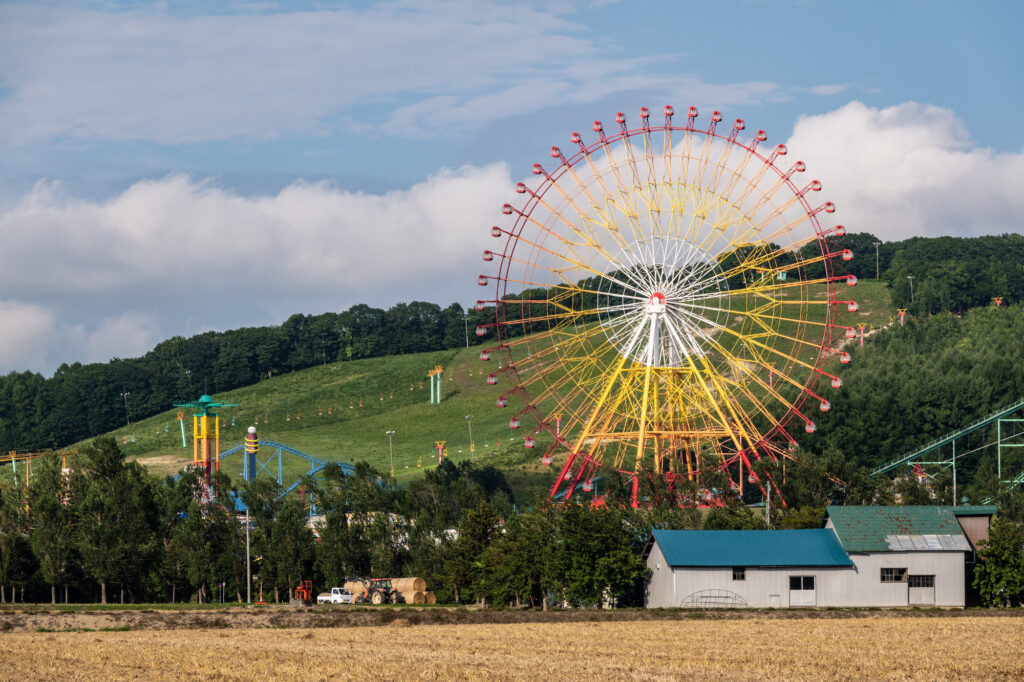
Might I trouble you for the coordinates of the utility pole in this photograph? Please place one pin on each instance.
(248, 563)
(465, 323)
(128, 419)
(877, 244)
(391, 450)
(469, 421)
(911, 278)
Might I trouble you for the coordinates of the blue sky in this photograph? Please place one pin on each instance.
(302, 157)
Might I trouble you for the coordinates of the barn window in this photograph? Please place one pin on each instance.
(739, 573)
(894, 575)
(801, 582)
(922, 581)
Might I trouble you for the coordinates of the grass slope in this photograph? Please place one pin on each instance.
(341, 411)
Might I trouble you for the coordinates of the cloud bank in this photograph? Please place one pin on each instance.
(910, 170)
(88, 279)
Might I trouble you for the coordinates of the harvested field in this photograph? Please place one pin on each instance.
(878, 645)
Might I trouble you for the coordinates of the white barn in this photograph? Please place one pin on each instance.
(862, 556)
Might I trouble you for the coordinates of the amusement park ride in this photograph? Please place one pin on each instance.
(668, 291)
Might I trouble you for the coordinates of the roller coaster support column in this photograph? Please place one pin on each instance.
(252, 448)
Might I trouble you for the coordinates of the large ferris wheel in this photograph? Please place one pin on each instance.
(665, 300)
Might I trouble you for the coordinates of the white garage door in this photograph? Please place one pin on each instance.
(801, 590)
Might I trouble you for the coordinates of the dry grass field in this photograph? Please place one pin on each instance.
(877, 646)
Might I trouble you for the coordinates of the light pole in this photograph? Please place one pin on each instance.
(465, 323)
(391, 450)
(125, 395)
(469, 422)
(248, 562)
(911, 278)
(877, 244)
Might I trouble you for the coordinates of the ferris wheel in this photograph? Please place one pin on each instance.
(665, 303)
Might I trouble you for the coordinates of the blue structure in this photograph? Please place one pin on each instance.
(255, 465)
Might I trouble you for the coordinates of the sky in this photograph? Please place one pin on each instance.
(167, 168)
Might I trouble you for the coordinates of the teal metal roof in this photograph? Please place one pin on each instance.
(809, 547)
(874, 529)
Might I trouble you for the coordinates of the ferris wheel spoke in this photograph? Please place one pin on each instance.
(576, 262)
(609, 199)
(590, 238)
(626, 192)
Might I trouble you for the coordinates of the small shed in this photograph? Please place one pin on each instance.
(744, 568)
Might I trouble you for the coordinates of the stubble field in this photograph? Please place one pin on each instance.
(747, 647)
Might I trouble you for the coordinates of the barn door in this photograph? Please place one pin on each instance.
(801, 590)
(922, 590)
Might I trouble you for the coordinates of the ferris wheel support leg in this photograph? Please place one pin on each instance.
(635, 502)
(757, 479)
(561, 477)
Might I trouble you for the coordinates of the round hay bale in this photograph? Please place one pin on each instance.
(355, 588)
(429, 598)
(409, 584)
(414, 597)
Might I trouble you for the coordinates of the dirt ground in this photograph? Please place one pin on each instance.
(16, 618)
(462, 644)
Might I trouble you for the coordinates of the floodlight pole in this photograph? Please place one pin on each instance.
(877, 244)
(911, 278)
(391, 450)
(248, 564)
(128, 419)
(465, 323)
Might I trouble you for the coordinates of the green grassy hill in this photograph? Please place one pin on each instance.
(341, 412)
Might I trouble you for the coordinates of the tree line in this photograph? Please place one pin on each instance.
(946, 274)
(104, 530)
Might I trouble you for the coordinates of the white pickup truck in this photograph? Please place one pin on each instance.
(337, 595)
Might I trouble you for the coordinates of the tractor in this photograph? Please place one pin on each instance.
(376, 591)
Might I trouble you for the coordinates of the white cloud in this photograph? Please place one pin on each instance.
(176, 255)
(26, 332)
(35, 336)
(828, 89)
(910, 170)
(128, 335)
(400, 68)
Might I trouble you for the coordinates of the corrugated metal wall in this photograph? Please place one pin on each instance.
(975, 528)
(859, 585)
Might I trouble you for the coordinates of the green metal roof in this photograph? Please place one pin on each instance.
(872, 529)
(973, 509)
(808, 547)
